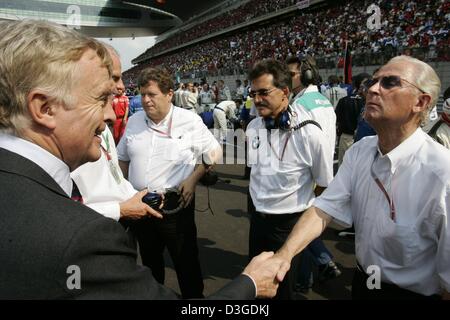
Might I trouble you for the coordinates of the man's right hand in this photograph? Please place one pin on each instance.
(134, 208)
(263, 269)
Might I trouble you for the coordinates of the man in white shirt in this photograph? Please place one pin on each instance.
(189, 97)
(101, 183)
(207, 98)
(287, 163)
(394, 188)
(178, 94)
(334, 93)
(224, 93)
(310, 103)
(159, 151)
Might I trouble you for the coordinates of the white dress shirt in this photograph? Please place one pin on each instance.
(54, 166)
(158, 161)
(101, 183)
(413, 250)
(287, 186)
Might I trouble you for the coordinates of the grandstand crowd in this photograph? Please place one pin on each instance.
(418, 28)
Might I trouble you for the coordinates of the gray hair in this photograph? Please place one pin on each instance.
(425, 78)
(39, 55)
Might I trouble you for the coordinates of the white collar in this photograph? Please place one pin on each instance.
(164, 122)
(407, 148)
(310, 88)
(54, 166)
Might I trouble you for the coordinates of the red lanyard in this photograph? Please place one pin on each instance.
(106, 151)
(168, 133)
(380, 185)
(284, 148)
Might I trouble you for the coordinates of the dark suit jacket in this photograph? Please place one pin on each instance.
(43, 232)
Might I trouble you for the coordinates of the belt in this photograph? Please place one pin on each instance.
(171, 202)
(219, 109)
(189, 108)
(277, 216)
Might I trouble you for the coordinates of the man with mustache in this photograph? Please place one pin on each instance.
(395, 189)
(287, 159)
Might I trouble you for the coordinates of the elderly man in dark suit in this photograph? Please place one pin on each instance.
(55, 85)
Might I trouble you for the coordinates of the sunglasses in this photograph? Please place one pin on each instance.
(260, 92)
(389, 82)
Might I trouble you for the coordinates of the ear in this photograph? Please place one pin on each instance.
(422, 103)
(286, 92)
(41, 109)
(170, 95)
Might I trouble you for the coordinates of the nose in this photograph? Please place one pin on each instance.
(120, 85)
(109, 116)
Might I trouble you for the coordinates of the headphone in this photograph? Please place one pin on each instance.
(307, 72)
(282, 122)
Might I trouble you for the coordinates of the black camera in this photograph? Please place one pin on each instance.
(153, 199)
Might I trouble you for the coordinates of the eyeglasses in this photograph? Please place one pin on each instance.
(389, 82)
(260, 92)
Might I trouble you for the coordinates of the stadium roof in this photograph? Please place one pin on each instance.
(182, 9)
(108, 18)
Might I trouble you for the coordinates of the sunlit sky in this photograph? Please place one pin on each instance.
(129, 48)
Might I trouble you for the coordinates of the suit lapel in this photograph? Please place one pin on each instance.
(16, 164)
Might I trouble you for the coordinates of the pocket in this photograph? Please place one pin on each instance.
(397, 243)
(179, 150)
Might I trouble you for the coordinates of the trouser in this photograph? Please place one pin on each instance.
(345, 142)
(268, 232)
(220, 124)
(315, 252)
(387, 291)
(178, 233)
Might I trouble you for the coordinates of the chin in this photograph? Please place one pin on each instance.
(93, 154)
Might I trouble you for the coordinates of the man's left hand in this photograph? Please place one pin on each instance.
(187, 190)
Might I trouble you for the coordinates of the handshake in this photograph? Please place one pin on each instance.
(267, 270)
